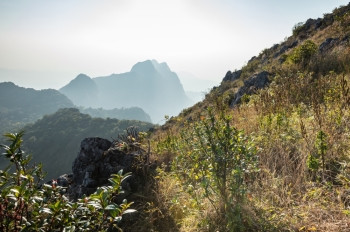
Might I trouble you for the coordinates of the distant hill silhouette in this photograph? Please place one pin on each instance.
(55, 139)
(132, 113)
(82, 91)
(19, 105)
(149, 85)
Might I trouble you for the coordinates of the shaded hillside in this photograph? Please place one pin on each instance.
(54, 140)
(149, 85)
(82, 91)
(286, 111)
(132, 113)
(19, 105)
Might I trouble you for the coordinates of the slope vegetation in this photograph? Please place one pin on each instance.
(272, 151)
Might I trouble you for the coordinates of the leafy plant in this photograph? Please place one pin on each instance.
(297, 28)
(321, 146)
(26, 205)
(303, 53)
(219, 161)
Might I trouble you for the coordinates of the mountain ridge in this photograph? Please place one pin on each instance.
(149, 85)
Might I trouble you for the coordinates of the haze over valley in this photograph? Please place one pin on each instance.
(200, 115)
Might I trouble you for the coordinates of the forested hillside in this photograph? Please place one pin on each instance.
(55, 139)
(132, 113)
(19, 106)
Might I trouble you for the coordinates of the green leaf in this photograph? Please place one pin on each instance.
(46, 210)
(111, 207)
(129, 211)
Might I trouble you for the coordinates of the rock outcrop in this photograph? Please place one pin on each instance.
(251, 85)
(231, 76)
(97, 160)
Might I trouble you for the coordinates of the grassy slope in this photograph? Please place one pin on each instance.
(285, 119)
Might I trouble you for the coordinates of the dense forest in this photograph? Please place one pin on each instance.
(132, 113)
(55, 139)
(19, 106)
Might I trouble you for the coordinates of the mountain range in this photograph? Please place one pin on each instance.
(149, 85)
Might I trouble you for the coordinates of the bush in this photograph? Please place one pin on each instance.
(217, 160)
(298, 28)
(26, 205)
(303, 53)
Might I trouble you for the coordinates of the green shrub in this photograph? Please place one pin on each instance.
(298, 28)
(26, 205)
(303, 53)
(219, 161)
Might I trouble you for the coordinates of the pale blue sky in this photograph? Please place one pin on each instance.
(45, 44)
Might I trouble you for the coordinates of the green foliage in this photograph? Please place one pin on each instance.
(321, 147)
(303, 53)
(321, 143)
(55, 139)
(298, 28)
(245, 98)
(313, 163)
(19, 106)
(218, 160)
(26, 205)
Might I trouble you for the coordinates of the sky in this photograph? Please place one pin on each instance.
(46, 43)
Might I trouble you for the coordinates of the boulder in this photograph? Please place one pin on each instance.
(251, 85)
(231, 76)
(98, 159)
(328, 44)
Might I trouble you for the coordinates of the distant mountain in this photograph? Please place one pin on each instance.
(149, 85)
(55, 139)
(82, 91)
(19, 106)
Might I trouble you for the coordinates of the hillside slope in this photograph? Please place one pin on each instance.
(54, 140)
(286, 111)
(19, 106)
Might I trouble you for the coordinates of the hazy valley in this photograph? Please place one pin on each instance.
(267, 149)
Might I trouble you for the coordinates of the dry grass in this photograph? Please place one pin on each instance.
(284, 121)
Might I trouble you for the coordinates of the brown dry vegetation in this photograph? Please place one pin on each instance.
(300, 126)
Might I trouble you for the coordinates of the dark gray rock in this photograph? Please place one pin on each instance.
(293, 44)
(91, 150)
(328, 44)
(284, 47)
(65, 180)
(251, 85)
(98, 159)
(231, 76)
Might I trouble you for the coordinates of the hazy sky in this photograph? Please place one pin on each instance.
(46, 43)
